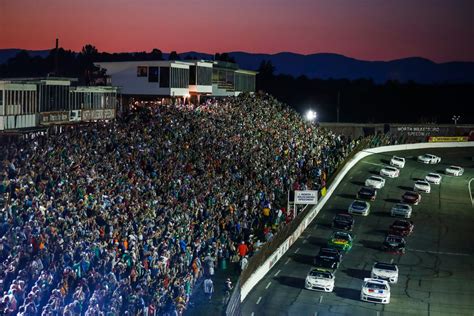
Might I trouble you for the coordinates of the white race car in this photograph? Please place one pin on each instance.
(390, 172)
(401, 209)
(434, 178)
(429, 159)
(385, 271)
(359, 207)
(422, 186)
(375, 182)
(320, 280)
(398, 162)
(375, 291)
(455, 171)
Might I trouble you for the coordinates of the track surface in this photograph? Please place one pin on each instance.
(436, 274)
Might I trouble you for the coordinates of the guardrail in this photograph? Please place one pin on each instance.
(263, 261)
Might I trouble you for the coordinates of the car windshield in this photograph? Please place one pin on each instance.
(401, 206)
(358, 204)
(375, 179)
(411, 194)
(401, 224)
(328, 252)
(398, 159)
(385, 266)
(365, 190)
(421, 183)
(340, 235)
(375, 286)
(343, 218)
(455, 168)
(394, 239)
(320, 274)
(433, 175)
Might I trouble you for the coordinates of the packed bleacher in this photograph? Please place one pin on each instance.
(126, 217)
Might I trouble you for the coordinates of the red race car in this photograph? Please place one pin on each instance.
(411, 197)
(401, 227)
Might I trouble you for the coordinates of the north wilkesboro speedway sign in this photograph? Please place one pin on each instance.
(306, 197)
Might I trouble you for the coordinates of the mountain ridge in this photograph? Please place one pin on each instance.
(333, 66)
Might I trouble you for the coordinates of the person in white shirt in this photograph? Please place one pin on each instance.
(208, 287)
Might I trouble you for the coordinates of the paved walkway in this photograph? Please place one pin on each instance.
(199, 304)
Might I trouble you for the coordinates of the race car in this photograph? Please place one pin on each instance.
(375, 291)
(343, 221)
(385, 271)
(367, 193)
(434, 178)
(401, 227)
(394, 244)
(398, 162)
(320, 280)
(429, 159)
(390, 172)
(401, 209)
(325, 263)
(411, 197)
(341, 240)
(375, 182)
(332, 253)
(359, 207)
(455, 171)
(422, 186)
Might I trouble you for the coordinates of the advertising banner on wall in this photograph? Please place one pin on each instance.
(443, 139)
(306, 197)
(54, 117)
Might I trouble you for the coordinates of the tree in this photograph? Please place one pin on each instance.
(173, 56)
(266, 69)
(156, 54)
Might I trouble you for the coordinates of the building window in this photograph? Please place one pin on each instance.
(142, 71)
(164, 77)
(179, 77)
(204, 76)
(153, 74)
(192, 75)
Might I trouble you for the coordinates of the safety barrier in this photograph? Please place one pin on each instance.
(250, 277)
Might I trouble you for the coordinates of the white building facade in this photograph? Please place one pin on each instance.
(184, 79)
(29, 103)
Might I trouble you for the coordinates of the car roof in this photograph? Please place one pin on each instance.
(422, 181)
(434, 174)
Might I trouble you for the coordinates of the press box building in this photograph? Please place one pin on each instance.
(183, 79)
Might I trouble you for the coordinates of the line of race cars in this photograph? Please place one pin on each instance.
(375, 289)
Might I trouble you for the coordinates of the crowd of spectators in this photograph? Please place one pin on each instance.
(125, 217)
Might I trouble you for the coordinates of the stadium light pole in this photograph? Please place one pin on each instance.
(456, 118)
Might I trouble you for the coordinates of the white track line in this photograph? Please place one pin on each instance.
(373, 163)
(320, 299)
(277, 273)
(470, 192)
(259, 299)
(287, 261)
(268, 285)
(297, 249)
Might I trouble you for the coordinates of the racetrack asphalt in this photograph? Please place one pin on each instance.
(436, 274)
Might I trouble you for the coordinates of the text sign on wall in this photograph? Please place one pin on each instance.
(306, 197)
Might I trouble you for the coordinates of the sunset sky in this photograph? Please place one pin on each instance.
(441, 30)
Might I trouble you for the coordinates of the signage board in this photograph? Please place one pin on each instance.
(306, 197)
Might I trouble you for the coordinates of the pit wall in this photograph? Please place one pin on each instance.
(263, 269)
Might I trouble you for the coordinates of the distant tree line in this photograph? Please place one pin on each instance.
(364, 101)
(80, 65)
